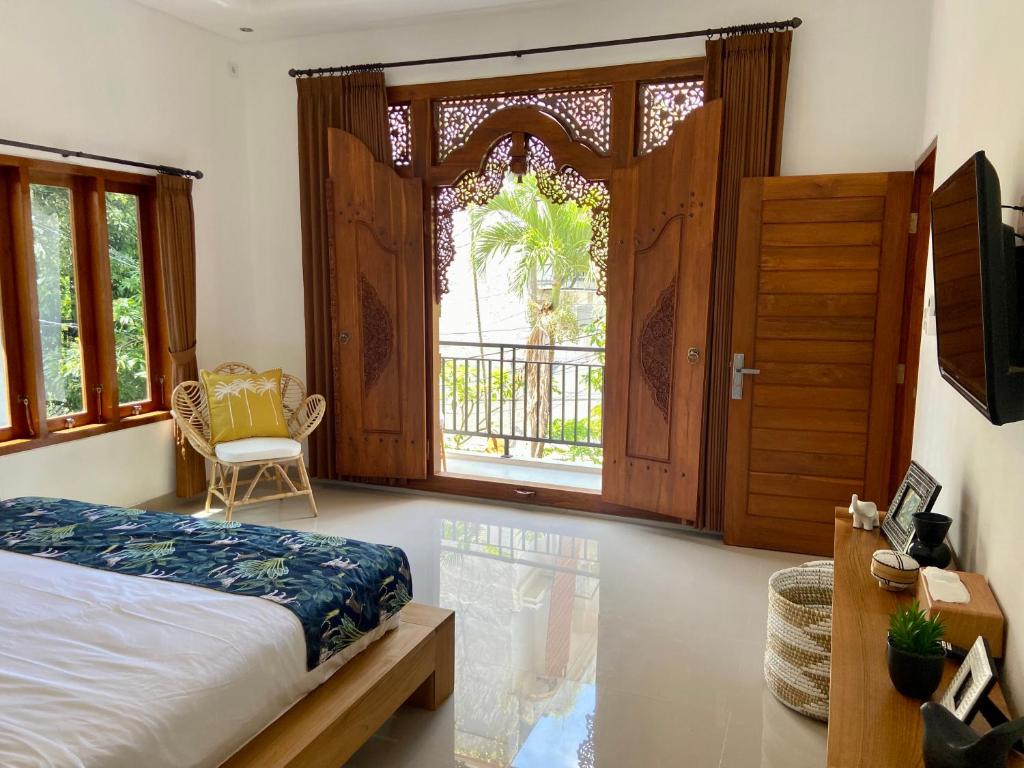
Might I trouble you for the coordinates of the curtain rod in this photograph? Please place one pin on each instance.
(167, 169)
(738, 29)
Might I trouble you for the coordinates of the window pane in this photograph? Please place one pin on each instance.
(126, 284)
(58, 301)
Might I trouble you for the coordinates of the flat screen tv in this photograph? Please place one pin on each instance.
(977, 300)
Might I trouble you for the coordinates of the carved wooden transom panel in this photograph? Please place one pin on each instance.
(559, 185)
(474, 188)
(586, 115)
(400, 131)
(662, 104)
(378, 333)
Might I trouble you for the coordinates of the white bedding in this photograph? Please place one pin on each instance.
(106, 670)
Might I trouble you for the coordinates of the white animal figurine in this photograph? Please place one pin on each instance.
(865, 513)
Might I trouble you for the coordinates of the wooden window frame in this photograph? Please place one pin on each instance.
(83, 265)
(30, 427)
(152, 293)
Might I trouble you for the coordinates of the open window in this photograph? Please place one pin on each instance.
(81, 330)
(134, 300)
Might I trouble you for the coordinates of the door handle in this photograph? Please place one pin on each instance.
(343, 337)
(738, 372)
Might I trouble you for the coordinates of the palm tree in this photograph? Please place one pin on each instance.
(266, 386)
(228, 390)
(550, 241)
(245, 386)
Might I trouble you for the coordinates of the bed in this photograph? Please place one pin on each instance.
(138, 666)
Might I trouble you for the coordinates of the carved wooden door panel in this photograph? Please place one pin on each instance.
(820, 264)
(659, 288)
(377, 311)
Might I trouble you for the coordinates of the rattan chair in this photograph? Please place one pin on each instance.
(270, 457)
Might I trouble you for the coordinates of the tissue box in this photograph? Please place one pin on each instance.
(965, 621)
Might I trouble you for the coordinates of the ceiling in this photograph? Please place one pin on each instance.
(278, 19)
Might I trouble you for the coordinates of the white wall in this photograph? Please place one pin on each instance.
(973, 104)
(119, 468)
(855, 99)
(112, 77)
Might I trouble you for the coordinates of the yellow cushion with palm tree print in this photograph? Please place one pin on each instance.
(244, 405)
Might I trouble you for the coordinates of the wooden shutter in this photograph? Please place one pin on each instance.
(377, 275)
(659, 283)
(817, 309)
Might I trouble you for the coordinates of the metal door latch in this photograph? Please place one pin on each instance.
(738, 372)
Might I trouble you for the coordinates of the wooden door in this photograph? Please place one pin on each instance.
(817, 310)
(913, 312)
(659, 286)
(376, 242)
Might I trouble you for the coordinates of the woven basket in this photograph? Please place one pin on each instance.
(798, 656)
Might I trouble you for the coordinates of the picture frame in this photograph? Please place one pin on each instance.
(970, 686)
(917, 493)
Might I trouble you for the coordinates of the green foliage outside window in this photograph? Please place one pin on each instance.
(56, 292)
(547, 249)
(466, 384)
(126, 285)
(57, 299)
(585, 429)
(550, 244)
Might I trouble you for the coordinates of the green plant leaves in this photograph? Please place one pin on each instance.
(912, 631)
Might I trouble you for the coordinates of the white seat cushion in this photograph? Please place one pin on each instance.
(258, 449)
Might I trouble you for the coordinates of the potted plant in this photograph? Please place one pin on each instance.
(915, 651)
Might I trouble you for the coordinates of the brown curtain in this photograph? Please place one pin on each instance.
(177, 240)
(358, 104)
(749, 73)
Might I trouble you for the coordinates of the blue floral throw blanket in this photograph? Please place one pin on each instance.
(339, 588)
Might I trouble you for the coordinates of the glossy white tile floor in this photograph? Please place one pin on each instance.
(550, 473)
(580, 641)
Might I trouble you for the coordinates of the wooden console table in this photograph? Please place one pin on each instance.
(870, 723)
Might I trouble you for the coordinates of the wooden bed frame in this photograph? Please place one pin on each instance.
(413, 664)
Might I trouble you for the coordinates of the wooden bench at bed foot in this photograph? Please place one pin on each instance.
(414, 663)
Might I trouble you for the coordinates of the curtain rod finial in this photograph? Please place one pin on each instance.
(293, 72)
(197, 174)
(796, 22)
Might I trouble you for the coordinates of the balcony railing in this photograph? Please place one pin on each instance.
(546, 394)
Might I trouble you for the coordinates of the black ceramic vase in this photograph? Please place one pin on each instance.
(949, 743)
(912, 674)
(929, 545)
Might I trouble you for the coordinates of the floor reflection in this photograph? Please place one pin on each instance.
(526, 606)
(678, 681)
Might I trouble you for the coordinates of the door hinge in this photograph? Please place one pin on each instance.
(901, 373)
(913, 223)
